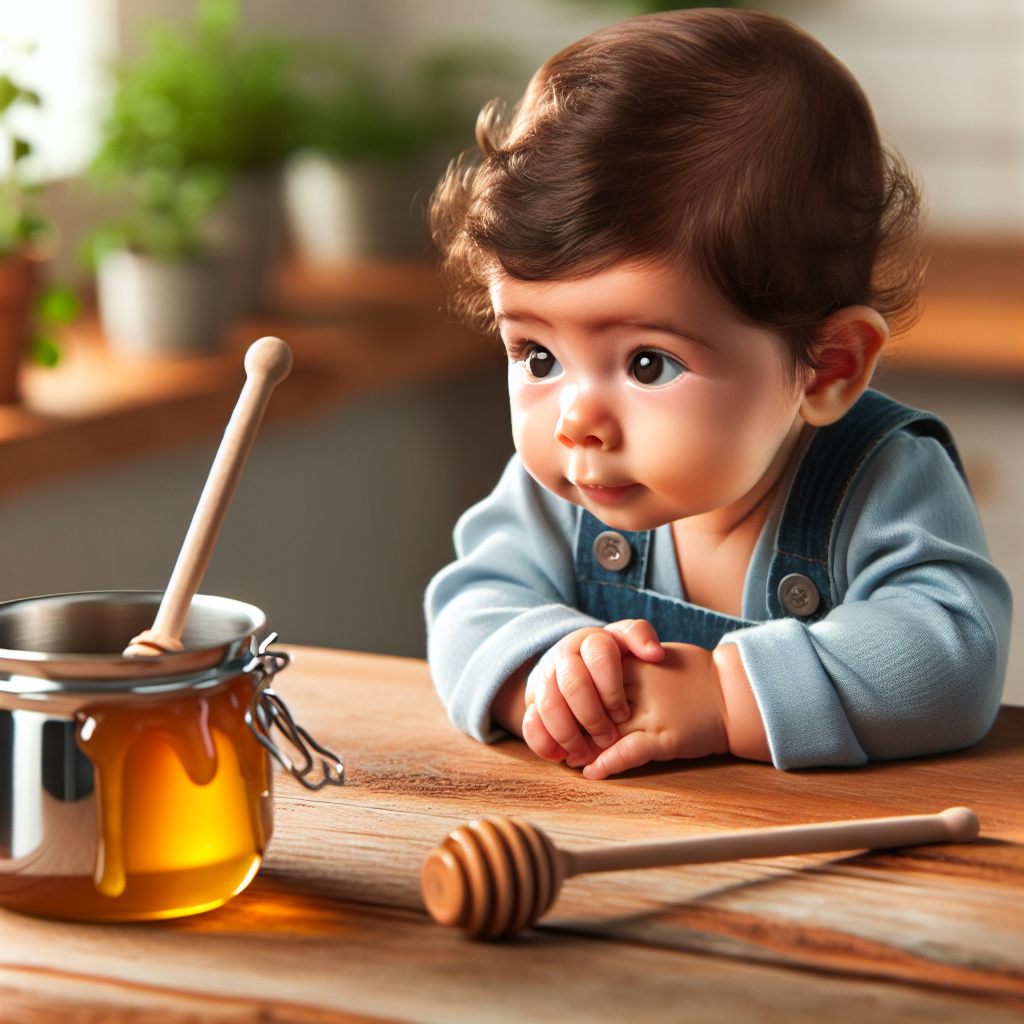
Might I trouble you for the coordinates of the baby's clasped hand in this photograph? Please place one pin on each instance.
(678, 710)
(615, 698)
(578, 685)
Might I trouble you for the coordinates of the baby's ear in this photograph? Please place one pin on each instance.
(847, 347)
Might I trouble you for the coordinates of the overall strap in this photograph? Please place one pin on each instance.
(589, 568)
(828, 468)
(611, 584)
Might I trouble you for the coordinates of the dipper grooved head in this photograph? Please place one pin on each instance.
(491, 878)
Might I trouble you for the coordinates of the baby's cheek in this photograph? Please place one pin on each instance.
(533, 432)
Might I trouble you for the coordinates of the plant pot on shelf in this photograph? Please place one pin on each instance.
(157, 307)
(18, 276)
(342, 211)
(246, 232)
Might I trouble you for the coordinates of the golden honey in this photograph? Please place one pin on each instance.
(182, 802)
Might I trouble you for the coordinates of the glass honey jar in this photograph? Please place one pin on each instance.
(136, 788)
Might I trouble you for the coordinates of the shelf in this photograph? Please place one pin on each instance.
(973, 312)
(350, 332)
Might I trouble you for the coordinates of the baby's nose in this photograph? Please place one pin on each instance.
(587, 421)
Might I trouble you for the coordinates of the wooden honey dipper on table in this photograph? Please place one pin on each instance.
(496, 876)
(267, 363)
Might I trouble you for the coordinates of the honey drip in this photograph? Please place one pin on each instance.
(151, 809)
(183, 807)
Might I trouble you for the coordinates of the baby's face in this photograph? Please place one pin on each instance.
(641, 395)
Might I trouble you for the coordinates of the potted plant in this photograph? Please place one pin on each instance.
(196, 133)
(160, 290)
(374, 149)
(23, 234)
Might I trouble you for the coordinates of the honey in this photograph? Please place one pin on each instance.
(183, 808)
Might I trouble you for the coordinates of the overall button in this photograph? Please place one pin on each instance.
(798, 595)
(612, 551)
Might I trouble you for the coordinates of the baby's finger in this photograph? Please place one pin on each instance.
(561, 724)
(540, 680)
(603, 660)
(630, 752)
(538, 739)
(637, 637)
(575, 761)
(581, 694)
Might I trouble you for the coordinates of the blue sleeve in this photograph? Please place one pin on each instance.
(911, 659)
(508, 597)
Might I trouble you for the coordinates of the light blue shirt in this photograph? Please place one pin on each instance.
(909, 661)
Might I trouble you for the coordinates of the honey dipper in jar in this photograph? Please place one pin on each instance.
(267, 363)
(174, 744)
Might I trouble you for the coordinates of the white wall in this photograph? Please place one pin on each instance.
(58, 47)
(946, 81)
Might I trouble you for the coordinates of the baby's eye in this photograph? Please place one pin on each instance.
(652, 369)
(541, 363)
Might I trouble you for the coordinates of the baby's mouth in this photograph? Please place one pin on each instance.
(605, 495)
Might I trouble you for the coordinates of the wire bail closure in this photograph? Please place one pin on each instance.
(266, 710)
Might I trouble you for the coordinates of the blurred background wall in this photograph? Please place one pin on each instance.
(341, 519)
(945, 77)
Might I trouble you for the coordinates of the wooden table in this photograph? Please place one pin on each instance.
(333, 929)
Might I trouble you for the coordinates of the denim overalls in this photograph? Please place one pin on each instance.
(611, 565)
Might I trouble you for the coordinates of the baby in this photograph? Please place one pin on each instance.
(714, 535)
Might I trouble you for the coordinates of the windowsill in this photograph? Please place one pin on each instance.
(351, 331)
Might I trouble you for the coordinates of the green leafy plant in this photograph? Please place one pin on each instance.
(201, 106)
(56, 306)
(20, 222)
(166, 217)
(357, 114)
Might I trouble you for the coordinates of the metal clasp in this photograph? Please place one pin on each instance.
(266, 709)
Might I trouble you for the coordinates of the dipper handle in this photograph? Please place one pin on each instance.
(267, 362)
(955, 825)
(495, 876)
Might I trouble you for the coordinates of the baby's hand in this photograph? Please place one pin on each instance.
(578, 686)
(678, 711)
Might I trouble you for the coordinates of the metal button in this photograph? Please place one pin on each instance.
(798, 595)
(612, 551)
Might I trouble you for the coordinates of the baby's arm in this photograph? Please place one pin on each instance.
(908, 663)
(509, 597)
(911, 660)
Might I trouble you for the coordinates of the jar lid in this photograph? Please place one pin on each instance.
(74, 641)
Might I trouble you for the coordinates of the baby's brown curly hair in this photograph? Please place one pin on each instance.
(729, 142)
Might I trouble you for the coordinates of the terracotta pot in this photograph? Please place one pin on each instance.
(17, 283)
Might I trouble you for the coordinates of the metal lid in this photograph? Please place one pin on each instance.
(75, 640)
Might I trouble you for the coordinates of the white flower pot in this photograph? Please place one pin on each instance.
(158, 307)
(341, 211)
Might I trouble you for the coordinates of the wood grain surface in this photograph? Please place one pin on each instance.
(333, 929)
